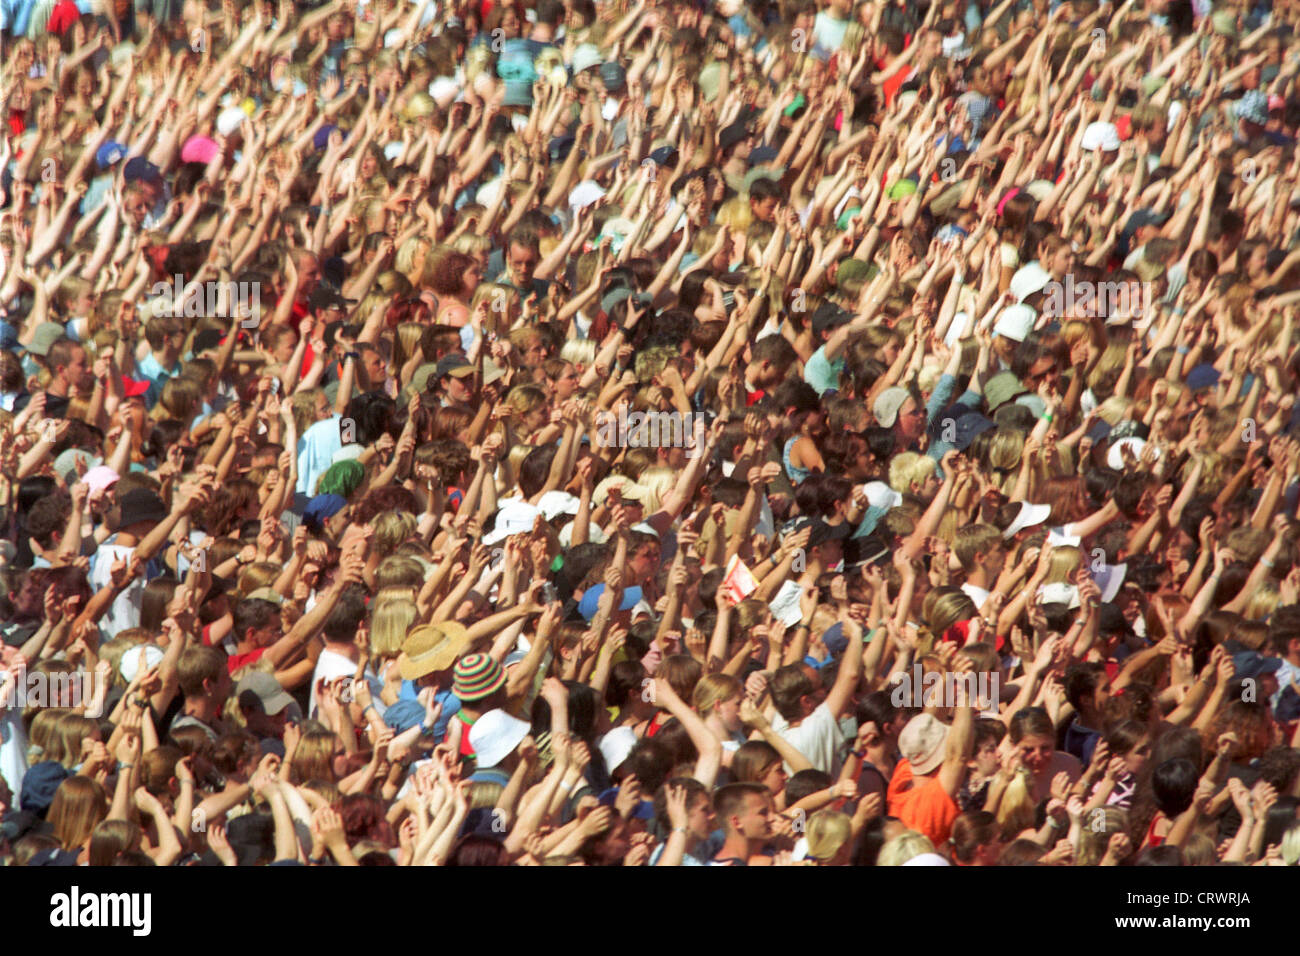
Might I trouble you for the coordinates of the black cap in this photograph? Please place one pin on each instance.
(731, 135)
(829, 316)
(140, 505)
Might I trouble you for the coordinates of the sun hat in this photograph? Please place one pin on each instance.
(431, 647)
(922, 742)
(494, 737)
(477, 676)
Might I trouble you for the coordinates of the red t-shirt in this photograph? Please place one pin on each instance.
(235, 661)
(926, 808)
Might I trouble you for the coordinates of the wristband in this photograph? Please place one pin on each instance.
(1183, 350)
(679, 829)
(1267, 563)
(859, 754)
(565, 786)
(318, 862)
(124, 766)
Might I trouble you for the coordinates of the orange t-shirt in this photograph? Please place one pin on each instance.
(926, 808)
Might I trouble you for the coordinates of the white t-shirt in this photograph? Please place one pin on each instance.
(817, 737)
(978, 595)
(331, 665)
(125, 611)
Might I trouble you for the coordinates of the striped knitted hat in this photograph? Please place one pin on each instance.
(476, 677)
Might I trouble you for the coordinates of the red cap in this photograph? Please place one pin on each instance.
(132, 387)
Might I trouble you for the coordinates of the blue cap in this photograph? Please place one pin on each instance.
(322, 137)
(835, 640)
(1288, 706)
(140, 169)
(587, 607)
(109, 154)
(1202, 376)
(322, 507)
(39, 785)
(1252, 665)
(613, 76)
(53, 857)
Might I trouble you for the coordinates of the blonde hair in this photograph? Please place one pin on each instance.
(909, 467)
(1017, 810)
(391, 616)
(657, 480)
(828, 831)
(392, 528)
(714, 689)
(1065, 562)
(579, 352)
(1291, 844)
(905, 846)
(1263, 602)
(1102, 824)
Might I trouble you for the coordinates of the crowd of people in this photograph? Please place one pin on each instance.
(649, 433)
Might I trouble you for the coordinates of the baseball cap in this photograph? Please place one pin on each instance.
(1100, 136)
(261, 690)
(130, 665)
(887, 405)
(1029, 516)
(46, 334)
(1029, 279)
(404, 715)
(1202, 376)
(453, 364)
(829, 316)
(556, 503)
(518, 517)
(968, 427)
(731, 135)
(1002, 388)
(591, 597)
(1015, 322)
(922, 742)
(111, 153)
(616, 745)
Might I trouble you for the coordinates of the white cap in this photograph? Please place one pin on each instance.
(927, 859)
(1059, 593)
(585, 193)
(444, 90)
(494, 736)
(1100, 136)
(880, 495)
(230, 119)
(130, 665)
(1015, 322)
(1115, 456)
(1030, 515)
(555, 503)
(1028, 280)
(586, 56)
(1110, 578)
(616, 745)
(518, 517)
